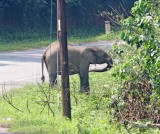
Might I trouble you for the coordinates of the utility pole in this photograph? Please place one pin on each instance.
(62, 37)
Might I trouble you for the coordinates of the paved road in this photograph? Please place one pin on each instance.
(18, 68)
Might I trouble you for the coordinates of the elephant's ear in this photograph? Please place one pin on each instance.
(89, 55)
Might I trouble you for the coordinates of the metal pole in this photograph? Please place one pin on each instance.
(51, 21)
(62, 37)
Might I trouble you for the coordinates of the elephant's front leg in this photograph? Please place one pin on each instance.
(84, 81)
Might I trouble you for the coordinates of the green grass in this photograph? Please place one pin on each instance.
(23, 38)
(41, 41)
(91, 114)
(94, 38)
(24, 44)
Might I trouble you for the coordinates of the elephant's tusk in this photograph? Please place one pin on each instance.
(98, 67)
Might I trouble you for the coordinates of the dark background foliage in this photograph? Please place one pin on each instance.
(31, 13)
(34, 15)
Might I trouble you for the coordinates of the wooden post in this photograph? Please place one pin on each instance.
(62, 37)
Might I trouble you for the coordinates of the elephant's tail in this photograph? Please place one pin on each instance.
(43, 78)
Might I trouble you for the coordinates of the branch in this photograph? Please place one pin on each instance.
(27, 104)
(6, 98)
(140, 125)
(47, 99)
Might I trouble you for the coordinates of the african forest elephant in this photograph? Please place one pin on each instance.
(79, 58)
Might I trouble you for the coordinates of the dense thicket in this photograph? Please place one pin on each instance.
(36, 13)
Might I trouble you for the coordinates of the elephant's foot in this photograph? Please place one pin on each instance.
(85, 90)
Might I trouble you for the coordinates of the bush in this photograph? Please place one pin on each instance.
(141, 63)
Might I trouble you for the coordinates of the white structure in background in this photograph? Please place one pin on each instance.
(107, 27)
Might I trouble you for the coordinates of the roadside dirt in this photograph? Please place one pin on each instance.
(4, 129)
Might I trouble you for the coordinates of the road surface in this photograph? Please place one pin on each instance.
(18, 68)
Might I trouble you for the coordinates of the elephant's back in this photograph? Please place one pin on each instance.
(74, 54)
(53, 47)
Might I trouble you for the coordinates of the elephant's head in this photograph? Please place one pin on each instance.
(97, 56)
